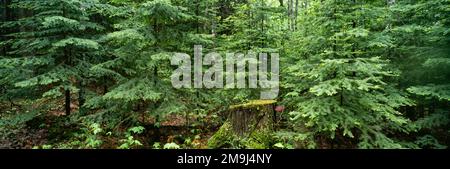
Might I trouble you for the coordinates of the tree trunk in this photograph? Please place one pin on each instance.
(252, 122)
(197, 10)
(296, 15)
(289, 14)
(81, 99)
(306, 13)
(6, 16)
(248, 118)
(105, 87)
(262, 31)
(67, 103)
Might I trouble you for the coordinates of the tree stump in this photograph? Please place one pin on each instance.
(248, 125)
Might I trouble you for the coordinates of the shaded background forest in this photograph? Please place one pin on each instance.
(96, 73)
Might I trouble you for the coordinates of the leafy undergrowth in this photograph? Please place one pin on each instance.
(51, 128)
(43, 125)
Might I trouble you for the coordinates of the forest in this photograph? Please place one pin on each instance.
(98, 74)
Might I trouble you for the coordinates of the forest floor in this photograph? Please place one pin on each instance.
(41, 131)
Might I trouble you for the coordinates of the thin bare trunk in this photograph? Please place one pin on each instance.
(296, 14)
(67, 102)
(81, 98)
(289, 14)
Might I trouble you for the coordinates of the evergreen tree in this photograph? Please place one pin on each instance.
(55, 45)
(338, 84)
(354, 73)
(421, 29)
(140, 69)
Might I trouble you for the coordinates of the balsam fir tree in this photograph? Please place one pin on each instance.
(140, 70)
(54, 47)
(338, 84)
(422, 30)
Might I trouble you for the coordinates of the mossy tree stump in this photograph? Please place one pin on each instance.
(250, 117)
(249, 125)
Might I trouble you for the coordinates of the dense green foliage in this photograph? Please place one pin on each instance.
(97, 73)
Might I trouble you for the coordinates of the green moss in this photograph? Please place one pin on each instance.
(256, 135)
(253, 103)
(223, 137)
(261, 139)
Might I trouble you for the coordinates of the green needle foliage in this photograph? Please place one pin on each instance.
(343, 74)
(54, 47)
(422, 31)
(354, 73)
